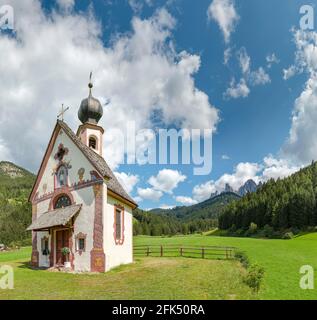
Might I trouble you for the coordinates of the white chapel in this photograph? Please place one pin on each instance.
(81, 215)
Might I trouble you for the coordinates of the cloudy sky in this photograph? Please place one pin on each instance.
(242, 69)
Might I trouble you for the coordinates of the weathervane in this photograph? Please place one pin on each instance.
(62, 112)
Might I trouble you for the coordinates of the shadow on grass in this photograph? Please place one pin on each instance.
(27, 265)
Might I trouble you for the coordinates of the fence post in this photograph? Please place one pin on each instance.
(226, 253)
(147, 251)
(203, 253)
(181, 251)
(161, 251)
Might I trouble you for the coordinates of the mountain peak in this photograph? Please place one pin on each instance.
(249, 187)
(10, 169)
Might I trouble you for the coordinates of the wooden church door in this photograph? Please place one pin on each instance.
(62, 241)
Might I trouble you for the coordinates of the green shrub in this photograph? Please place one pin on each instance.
(240, 233)
(295, 230)
(253, 228)
(254, 277)
(288, 235)
(268, 231)
(233, 228)
(277, 235)
(243, 258)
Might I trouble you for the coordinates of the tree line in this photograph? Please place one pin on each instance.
(155, 224)
(282, 204)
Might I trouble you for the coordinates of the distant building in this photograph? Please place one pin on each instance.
(78, 203)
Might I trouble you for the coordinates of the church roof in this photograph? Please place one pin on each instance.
(99, 163)
(55, 218)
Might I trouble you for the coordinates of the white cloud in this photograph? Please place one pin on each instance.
(272, 59)
(242, 173)
(225, 157)
(167, 180)
(137, 5)
(301, 145)
(277, 168)
(187, 201)
(4, 152)
(128, 181)
(203, 191)
(249, 77)
(149, 194)
(271, 168)
(237, 90)
(224, 13)
(289, 72)
(66, 5)
(166, 207)
(226, 56)
(49, 62)
(244, 60)
(259, 77)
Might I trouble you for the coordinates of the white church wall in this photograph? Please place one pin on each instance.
(117, 254)
(84, 224)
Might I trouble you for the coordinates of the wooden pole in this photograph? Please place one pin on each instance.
(181, 251)
(161, 251)
(203, 253)
(148, 251)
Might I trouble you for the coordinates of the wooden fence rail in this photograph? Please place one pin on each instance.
(203, 252)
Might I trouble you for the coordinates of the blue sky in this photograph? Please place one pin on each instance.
(250, 128)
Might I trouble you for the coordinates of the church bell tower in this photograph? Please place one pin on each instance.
(89, 113)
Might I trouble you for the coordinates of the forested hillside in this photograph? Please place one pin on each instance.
(208, 209)
(183, 220)
(283, 204)
(15, 211)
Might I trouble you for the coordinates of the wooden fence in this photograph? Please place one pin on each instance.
(190, 251)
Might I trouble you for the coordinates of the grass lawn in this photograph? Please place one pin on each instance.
(147, 278)
(281, 259)
(175, 278)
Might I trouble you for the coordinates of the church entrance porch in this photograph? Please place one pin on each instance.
(53, 231)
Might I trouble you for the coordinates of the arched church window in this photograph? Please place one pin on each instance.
(62, 202)
(93, 142)
(62, 176)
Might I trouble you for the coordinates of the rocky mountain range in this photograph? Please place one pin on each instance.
(249, 187)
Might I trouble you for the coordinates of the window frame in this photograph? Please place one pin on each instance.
(80, 236)
(118, 209)
(92, 137)
(59, 197)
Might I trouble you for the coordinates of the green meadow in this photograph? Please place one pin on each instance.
(176, 277)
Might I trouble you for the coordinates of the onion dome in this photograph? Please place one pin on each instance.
(90, 110)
